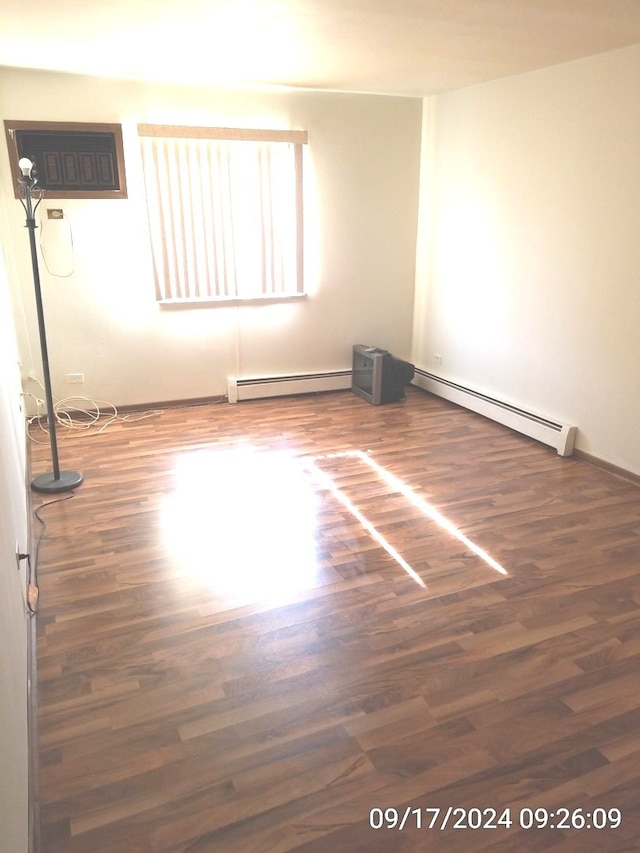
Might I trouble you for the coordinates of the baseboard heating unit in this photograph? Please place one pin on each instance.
(556, 435)
(280, 386)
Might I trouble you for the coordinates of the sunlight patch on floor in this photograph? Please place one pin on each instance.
(327, 482)
(245, 520)
(429, 511)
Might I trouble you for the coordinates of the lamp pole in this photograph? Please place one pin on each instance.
(55, 480)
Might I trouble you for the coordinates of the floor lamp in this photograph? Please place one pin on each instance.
(55, 480)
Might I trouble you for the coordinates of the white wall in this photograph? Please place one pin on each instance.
(528, 281)
(361, 215)
(13, 610)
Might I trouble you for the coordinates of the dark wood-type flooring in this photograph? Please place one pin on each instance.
(260, 622)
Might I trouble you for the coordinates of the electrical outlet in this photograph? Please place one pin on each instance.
(75, 378)
(437, 358)
(55, 213)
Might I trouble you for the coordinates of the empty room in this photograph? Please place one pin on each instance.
(319, 410)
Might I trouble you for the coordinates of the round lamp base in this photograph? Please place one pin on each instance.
(66, 481)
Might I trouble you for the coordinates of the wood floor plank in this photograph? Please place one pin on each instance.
(258, 622)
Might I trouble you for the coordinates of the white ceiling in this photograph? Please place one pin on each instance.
(401, 47)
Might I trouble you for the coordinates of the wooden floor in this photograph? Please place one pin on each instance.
(278, 625)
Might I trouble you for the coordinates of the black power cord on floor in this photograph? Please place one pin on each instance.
(33, 589)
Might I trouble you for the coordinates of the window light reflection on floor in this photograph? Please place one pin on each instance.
(427, 509)
(327, 482)
(245, 520)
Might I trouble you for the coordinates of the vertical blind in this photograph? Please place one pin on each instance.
(225, 212)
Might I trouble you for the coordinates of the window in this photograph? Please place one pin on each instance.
(225, 212)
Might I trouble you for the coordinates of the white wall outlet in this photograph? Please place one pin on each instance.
(75, 378)
(437, 358)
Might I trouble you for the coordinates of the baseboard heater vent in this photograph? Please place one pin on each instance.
(556, 435)
(281, 386)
